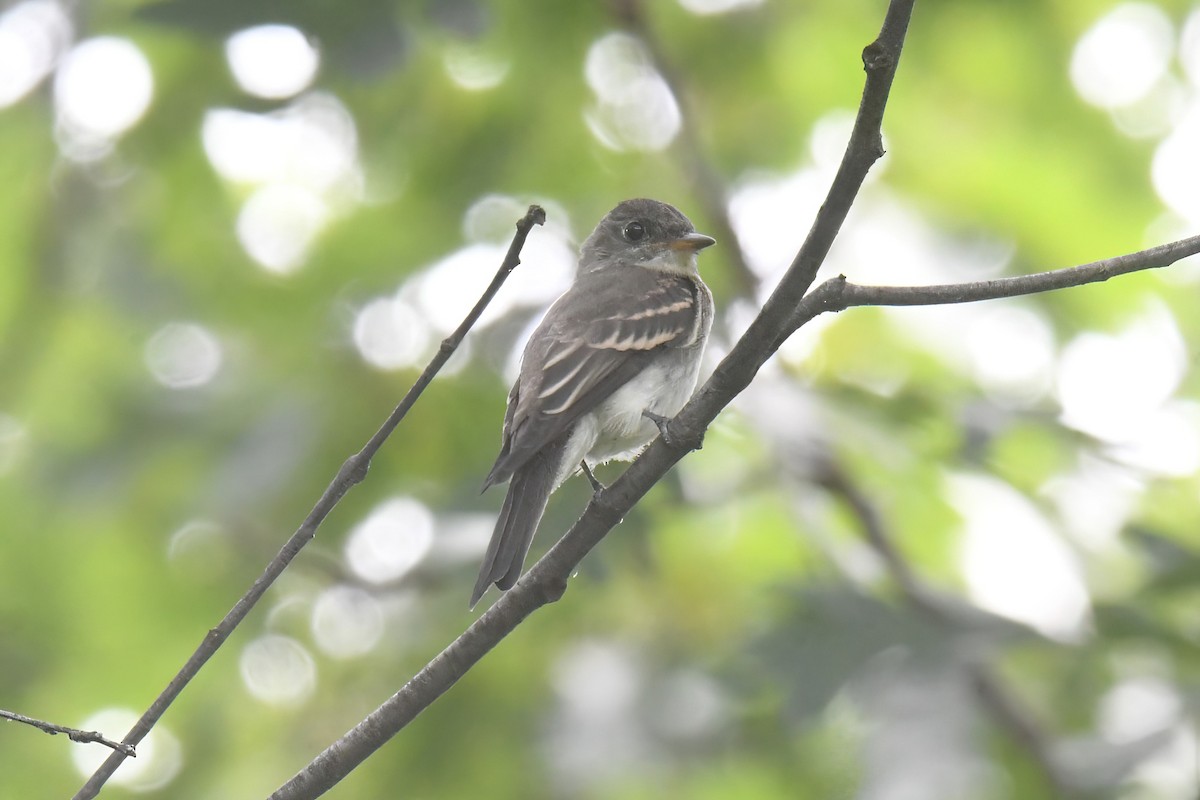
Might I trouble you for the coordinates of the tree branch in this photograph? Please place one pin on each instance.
(838, 294)
(74, 734)
(351, 473)
(547, 579)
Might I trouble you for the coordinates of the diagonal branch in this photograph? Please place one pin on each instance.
(351, 473)
(547, 579)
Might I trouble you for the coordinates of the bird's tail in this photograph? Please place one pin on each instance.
(524, 505)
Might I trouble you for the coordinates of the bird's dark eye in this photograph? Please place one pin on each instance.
(634, 231)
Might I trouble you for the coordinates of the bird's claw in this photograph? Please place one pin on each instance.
(597, 486)
(660, 422)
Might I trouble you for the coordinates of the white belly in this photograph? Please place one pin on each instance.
(616, 429)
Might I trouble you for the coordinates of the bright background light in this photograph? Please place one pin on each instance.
(183, 355)
(1123, 55)
(635, 109)
(1014, 561)
(102, 88)
(33, 35)
(272, 61)
(393, 539)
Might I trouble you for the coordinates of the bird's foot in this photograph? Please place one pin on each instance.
(670, 439)
(660, 422)
(597, 487)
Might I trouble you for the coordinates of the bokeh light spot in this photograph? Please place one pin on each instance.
(597, 679)
(1189, 47)
(278, 670)
(33, 35)
(278, 224)
(183, 355)
(13, 439)
(763, 211)
(1177, 163)
(272, 61)
(1123, 55)
(1138, 707)
(1165, 441)
(390, 334)
(1108, 384)
(1014, 563)
(346, 622)
(448, 289)
(391, 541)
(102, 88)
(472, 68)
(636, 109)
(1012, 353)
(688, 705)
(1095, 501)
(597, 733)
(312, 143)
(705, 7)
(201, 549)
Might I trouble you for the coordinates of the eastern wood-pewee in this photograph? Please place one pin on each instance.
(619, 349)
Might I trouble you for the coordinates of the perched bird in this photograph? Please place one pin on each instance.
(617, 354)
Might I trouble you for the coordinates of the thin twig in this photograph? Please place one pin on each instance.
(351, 473)
(547, 579)
(838, 294)
(74, 734)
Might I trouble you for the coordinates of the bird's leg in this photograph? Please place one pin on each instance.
(661, 423)
(597, 486)
(670, 439)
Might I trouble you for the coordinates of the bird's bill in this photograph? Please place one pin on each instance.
(692, 242)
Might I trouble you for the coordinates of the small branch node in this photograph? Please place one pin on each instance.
(550, 588)
(876, 57)
(353, 470)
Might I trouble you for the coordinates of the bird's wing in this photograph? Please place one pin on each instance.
(589, 345)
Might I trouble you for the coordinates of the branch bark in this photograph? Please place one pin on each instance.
(838, 294)
(352, 472)
(74, 734)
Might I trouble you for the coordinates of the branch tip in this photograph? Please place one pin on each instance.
(536, 215)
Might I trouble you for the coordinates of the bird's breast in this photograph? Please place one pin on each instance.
(663, 388)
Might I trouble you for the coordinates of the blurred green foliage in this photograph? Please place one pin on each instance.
(735, 636)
